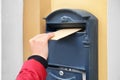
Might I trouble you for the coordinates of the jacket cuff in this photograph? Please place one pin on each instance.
(39, 59)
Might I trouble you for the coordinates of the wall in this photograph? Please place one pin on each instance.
(113, 39)
(12, 41)
(34, 12)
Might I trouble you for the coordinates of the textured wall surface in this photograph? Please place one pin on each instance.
(113, 39)
(12, 41)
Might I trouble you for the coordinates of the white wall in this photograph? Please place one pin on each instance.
(113, 39)
(12, 42)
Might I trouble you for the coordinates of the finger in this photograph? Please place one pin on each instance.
(43, 38)
(38, 36)
(50, 35)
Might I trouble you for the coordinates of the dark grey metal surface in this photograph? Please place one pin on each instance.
(78, 51)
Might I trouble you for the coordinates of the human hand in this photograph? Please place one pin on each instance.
(39, 44)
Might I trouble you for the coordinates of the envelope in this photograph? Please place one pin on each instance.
(64, 33)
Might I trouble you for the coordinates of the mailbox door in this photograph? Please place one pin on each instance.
(70, 51)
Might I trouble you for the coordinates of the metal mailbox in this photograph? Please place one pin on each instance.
(74, 57)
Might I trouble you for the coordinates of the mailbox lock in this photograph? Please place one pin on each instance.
(61, 73)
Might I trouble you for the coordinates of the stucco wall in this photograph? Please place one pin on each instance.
(12, 41)
(113, 39)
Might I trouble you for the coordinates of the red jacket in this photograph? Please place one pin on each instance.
(32, 70)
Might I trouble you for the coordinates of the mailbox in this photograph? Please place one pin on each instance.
(74, 57)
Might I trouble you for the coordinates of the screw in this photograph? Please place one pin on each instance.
(61, 73)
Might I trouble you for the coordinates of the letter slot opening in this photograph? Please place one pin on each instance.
(57, 26)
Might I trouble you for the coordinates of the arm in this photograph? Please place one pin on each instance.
(34, 67)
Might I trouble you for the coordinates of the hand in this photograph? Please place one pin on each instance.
(39, 44)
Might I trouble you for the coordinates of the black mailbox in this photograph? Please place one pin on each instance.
(74, 57)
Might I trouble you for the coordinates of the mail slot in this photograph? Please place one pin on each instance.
(74, 57)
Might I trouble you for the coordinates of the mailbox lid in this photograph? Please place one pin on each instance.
(66, 18)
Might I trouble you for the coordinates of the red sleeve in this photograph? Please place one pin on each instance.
(32, 70)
